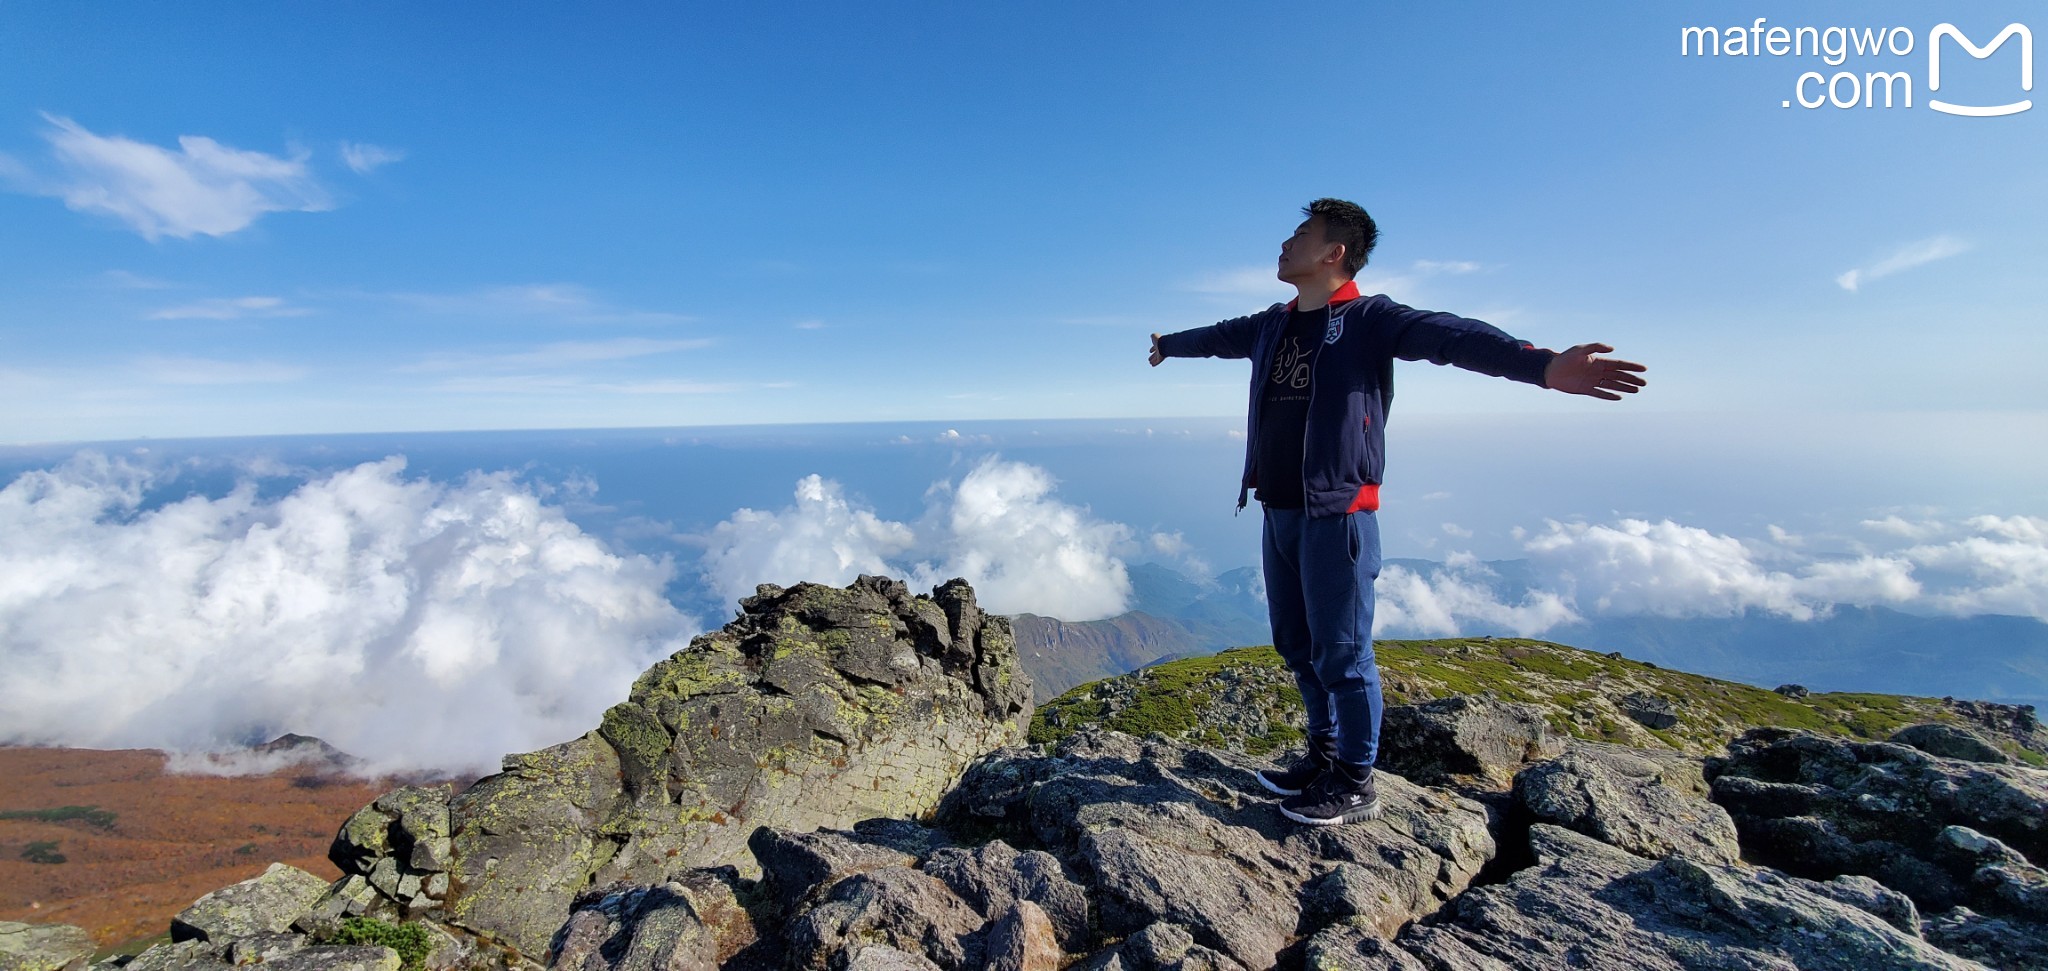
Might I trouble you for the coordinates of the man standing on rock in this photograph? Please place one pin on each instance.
(1322, 378)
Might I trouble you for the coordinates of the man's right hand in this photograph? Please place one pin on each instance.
(1157, 356)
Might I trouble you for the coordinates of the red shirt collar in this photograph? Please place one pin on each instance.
(1349, 291)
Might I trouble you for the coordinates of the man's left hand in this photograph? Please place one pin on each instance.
(1578, 371)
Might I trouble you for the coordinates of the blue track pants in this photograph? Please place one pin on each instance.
(1319, 576)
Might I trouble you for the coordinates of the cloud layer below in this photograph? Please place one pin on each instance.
(1979, 565)
(412, 623)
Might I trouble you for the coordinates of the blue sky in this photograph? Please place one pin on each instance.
(309, 218)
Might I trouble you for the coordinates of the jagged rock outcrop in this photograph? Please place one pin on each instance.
(1157, 831)
(817, 706)
(1585, 904)
(43, 947)
(1964, 839)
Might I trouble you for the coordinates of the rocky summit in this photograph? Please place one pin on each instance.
(841, 780)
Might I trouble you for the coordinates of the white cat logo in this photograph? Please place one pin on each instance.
(1980, 53)
(1336, 330)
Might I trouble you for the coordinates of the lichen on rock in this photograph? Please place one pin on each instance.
(816, 707)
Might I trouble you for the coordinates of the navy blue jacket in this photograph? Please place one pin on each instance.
(1351, 383)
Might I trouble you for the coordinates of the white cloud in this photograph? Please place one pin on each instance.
(203, 371)
(1454, 599)
(823, 538)
(2007, 558)
(1453, 267)
(571, 384)
(1904, 258)
(561, 353)
(364, 158)
(415, 624)
(1671, 570)
(230, 308)
(557, 301)
(999, 526)
(1248, 282)
(1453, 529)
(203, 188)
(126, 280)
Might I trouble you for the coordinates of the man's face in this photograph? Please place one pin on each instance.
(1302, 255)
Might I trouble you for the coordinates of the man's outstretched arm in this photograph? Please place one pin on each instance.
(1236, 337)
(1578, 371)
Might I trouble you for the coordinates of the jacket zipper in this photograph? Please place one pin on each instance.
(1315, 357)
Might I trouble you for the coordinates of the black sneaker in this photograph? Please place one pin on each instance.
(1334, 797)
(1313, 763)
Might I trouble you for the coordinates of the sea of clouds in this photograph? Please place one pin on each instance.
(426, 625)
(437, 625)
(1961, 567)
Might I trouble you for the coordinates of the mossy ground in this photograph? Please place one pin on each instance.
(1578, 691)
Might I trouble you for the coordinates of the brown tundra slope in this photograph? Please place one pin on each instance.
(170, 839)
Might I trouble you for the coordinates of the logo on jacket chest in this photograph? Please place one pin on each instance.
(1336, 330)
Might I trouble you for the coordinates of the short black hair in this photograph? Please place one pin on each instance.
(1346, 223)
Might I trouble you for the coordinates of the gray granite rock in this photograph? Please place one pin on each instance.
(1160, 832)
(695, 921)
(1950, 742)
(335, 958)
(1167, 946)
(816, 708)
(1648, 710)
(264, 904)
(2002, 943)
(1588, 905)
(1650, 804)
(1022, 939)
(1467, 738)
(193, 955)
(43, 947)
(994, 876)
(796, 865)
(903, 908)
(1945, 832)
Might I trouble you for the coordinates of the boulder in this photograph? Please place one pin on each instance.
(1469, 738)
(1945, 832)
(882, 957)
(796, 865)
(1648, 710)
(994, 877)
(1869, 896)
(43, 947)
(903, 908)
(695, 921)
(1589, 905)
(1159, 832)
(1950, 742)
(265, 904)
(1022, 939)
(192, 955)
(1169, 947)
(816, 708)
(2009, 945)
(1652, 804)
(335, 958)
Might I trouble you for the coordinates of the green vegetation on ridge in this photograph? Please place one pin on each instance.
(1245, 699)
